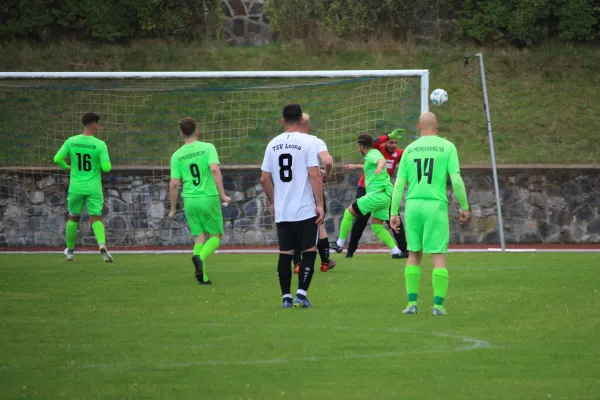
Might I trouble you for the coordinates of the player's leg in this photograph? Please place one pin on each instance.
(75, 203)
(94, 205)
(359, 226)
(297, 259)
(414, 238)
(346, 225)
(436, 236)
(323, 245)
(307, 232)
(378, 204)
(287, 244)
(400, 238)
(207, 218)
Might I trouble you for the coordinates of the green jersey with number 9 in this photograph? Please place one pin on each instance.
(426, 164)
(88, 154)
(191, 163)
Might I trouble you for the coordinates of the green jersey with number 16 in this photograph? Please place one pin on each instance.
(191, 163)
(426, 164)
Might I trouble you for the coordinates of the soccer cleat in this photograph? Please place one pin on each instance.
(349, 255)
(335, 247)
(302, 303)
(297, 268)
(198, 265)
(399, 255)
(69, 254)
(328, 265)
(411, 309)
(287, 303)
(105, 254)
(439, 310)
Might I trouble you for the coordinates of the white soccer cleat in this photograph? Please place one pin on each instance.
(69, 254)
(105, 254)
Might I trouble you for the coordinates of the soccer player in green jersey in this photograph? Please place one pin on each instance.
(88, 156)
(197, 165)
(426, 164)
(378, 197)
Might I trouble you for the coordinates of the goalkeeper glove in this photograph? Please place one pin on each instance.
(396, 134)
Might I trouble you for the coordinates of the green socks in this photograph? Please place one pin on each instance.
(206, 250)
(198, 248)
(71, 234)
(98, 228)
(439, 279)
(412, 276)
(346, 225)
(383, 235)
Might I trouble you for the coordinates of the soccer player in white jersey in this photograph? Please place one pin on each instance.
(293, 185)
(326, 169)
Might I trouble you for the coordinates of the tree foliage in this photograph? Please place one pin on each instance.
(110, 19)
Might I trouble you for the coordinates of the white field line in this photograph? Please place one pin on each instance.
(466, 343)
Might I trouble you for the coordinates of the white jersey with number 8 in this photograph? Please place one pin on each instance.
(287, 158)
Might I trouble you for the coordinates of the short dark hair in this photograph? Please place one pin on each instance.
(365, 140)
(187, 126)
(292, 114)
(90, 118)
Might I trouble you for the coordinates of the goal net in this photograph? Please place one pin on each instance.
(237, 112)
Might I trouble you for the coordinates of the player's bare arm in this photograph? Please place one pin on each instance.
(174, 186)
(327, 163)
(267, 184)
(317, 188)
(354, 166)
(218, 177)
(380, 166)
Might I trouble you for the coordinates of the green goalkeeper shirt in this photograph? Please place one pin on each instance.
(191, 163)
(426, 164)
(376, 182)
(89, 156)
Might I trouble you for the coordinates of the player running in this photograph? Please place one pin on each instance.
(197, 165)
(88, 156)
(388, 146)
(326, 169)
(426, 164)
(291, 181)
(376, 201)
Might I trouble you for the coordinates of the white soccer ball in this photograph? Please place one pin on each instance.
(438, 97)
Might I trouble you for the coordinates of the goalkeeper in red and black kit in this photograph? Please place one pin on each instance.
(387, 145)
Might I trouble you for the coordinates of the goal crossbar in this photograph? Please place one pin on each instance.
(216, 74)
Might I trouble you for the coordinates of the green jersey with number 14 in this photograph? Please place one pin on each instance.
(425, 165)
(191, 163)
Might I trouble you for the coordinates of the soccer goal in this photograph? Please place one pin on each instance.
(239, 112)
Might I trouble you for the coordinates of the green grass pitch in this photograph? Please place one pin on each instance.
(521, 326)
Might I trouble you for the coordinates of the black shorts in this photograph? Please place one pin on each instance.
(298, 234)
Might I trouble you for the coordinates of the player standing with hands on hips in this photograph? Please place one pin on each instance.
(293, 185)
(426, 164)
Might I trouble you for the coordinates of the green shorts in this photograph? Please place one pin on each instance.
(93, 202)
(378, 204)
(203, 215)
(427, 226)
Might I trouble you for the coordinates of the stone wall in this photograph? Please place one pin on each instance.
(539, 206)
(246, 22)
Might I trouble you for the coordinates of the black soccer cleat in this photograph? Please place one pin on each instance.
(199, 272)
(335, 247)
(399, 255)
